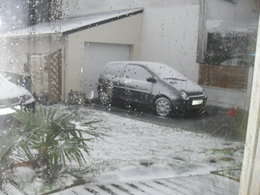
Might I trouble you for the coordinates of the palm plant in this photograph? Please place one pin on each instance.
(48, 140)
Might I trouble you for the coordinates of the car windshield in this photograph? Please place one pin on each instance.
(3, 81)
(165, 72)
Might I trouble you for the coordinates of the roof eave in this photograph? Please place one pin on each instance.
(102, 22)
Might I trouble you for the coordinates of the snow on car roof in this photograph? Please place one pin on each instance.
(71, 25)
(160, 69)
(9, 89)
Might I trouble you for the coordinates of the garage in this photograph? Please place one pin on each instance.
(104, 37)
(96, 56)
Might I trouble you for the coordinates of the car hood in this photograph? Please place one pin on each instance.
(184, 85)
(10, 90)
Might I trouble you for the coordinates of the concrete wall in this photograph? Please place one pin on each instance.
(124, 31)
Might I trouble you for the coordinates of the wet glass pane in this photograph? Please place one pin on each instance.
(125, 96)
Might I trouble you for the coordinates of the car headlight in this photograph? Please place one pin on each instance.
(204, 92)
(184, 95)
(25, 97)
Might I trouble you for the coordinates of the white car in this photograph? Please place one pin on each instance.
(13, 96)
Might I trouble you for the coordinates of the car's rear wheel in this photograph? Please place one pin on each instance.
(104, 98)
(163, 106)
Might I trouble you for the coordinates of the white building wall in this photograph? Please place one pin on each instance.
(170, 36)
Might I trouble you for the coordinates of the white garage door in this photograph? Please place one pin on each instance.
(96, 56)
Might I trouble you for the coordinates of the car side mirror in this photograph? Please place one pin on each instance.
(151, 80)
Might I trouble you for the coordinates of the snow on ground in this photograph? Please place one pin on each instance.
(135, 150)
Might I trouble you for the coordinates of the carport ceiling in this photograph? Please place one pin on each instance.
(71, 25)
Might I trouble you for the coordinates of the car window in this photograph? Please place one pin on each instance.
(114, 70)
(165, 72)
(136, 72)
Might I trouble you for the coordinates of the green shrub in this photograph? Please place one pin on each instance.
(47, 140)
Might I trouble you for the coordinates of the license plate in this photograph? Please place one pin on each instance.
(197, 102)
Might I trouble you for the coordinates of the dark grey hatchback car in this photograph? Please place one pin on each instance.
(152, 84)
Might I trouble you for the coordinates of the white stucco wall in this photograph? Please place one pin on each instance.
(124, 31)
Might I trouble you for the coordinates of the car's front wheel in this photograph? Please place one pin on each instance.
(163, 106)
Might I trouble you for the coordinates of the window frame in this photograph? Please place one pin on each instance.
(249, 180)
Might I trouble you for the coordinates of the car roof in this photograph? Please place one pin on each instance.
(144, 63)
(9, 89)
(157, 68)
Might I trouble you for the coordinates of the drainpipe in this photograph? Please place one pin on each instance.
(202, 32)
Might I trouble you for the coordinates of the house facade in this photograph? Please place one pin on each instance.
(183, 34)
(178, 33)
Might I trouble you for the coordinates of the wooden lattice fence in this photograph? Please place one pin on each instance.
(54, 72)
(46, 76)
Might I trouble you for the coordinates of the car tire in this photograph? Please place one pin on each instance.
(104, 98)
(163, 106)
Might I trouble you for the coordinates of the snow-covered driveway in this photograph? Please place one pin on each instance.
(136, 150)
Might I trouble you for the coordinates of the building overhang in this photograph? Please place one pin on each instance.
(72, 25)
